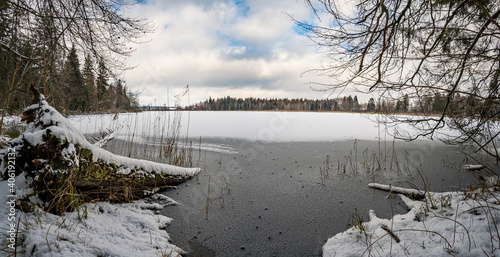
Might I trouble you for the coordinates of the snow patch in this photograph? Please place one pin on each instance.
(105, 230)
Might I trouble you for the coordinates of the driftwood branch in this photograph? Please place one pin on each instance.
(412, 193)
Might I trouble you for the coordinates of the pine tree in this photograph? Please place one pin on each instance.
(34, 48)
(349, 103)
(355, 103)
(406, 103)
(102, 82)
(127, 102)
(371, 105)
(109, 98)
(89, 81)
(122, 100)
(438, 103)
(73, 83)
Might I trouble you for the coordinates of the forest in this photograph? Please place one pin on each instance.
(71, 88)
(426, 105)
(70, 51)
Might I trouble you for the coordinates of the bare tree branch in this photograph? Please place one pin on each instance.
(444, 55)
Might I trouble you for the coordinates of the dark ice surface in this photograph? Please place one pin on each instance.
(286, 199)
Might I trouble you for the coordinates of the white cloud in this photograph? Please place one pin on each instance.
(221, 48)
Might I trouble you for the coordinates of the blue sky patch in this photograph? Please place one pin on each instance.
(233, 43)
(302, 29)
(243, 8)
(307, 25)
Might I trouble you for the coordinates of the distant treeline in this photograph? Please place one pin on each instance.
(432, 104)
(228, 103)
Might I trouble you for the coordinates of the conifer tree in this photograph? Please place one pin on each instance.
(102, 81)
(77, 97)
(89, 81)
(34, 51)
(371, 105)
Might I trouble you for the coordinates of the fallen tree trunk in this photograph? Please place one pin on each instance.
(64, 169)
(412, 193)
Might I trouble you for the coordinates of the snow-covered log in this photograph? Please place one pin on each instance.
(472, 167)
(105, 138)
(412, 193)
(58, 162)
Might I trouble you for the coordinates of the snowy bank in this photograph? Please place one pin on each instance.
(94, 229)
(454, 223)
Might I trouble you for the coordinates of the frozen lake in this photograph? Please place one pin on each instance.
(263, 189)
(268, 126)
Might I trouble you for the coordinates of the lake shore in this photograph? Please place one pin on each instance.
(271, 199)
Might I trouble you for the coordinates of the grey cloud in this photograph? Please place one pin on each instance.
(209, 45)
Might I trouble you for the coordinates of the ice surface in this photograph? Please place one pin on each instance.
(249, 125)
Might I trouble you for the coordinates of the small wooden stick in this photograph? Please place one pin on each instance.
(386, 228)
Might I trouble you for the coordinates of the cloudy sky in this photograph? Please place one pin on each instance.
(247, 48)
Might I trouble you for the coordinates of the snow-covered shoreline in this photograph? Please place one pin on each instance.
(95, 229)
(452, 223)
(45, 213)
